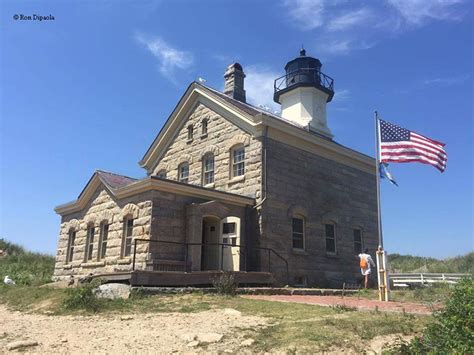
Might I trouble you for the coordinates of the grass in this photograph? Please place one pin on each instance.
(24, 267)
(409, 263)
(303, 327)
(435, 293)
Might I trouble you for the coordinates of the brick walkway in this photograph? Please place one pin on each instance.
(361, 304)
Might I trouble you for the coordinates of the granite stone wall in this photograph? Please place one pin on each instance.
(221, 136)
(322, 191)
(103, 208)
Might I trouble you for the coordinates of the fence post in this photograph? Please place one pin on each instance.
(185, 257)
(222, 257)
(134, 254)
(269, 264)
(422, 280)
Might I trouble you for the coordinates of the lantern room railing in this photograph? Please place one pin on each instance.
(305, 77)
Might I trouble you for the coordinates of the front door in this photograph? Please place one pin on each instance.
(230, 238)
(210, 249)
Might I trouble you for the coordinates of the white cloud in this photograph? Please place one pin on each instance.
(307, 14)
(419, 12)
(343, 26)
(342, 46)
(350, 19)
(169, 59)
(454, 80)
(341, 96)
(259, 86)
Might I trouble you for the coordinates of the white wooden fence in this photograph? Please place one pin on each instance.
(422, 279)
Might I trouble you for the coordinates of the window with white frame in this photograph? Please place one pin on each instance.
(127, 237)
(357, 235)
(162, 174)
(190, 132)
(103, 236)
(238, 161)
(208, 169)
(89, 242)
(330, 234)
(183, 172)
(298, 232)
(71, 240)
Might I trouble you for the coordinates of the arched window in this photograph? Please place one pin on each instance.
(103, 236)
(208, 169)
(330, 236)
(71, 240)
(89, 242)
(162, 174)
(237, 155)
(298, 229)
(183, 172)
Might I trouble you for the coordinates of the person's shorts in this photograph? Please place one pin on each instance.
(365, 272)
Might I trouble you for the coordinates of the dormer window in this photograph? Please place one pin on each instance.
(183, 172)
(204, 127)
(190, 133)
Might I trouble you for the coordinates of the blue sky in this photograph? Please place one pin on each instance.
(91, 89)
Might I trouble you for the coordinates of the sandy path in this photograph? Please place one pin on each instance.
(156, 332)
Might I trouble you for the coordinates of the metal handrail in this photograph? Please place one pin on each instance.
(186, 244)
(322, 79)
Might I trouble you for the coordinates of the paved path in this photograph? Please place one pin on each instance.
(361, 304)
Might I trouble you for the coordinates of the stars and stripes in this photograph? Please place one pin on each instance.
(399, 145)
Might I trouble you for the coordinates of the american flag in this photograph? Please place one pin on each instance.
(399, 145)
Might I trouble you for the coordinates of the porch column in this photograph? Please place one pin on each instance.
(194, 235)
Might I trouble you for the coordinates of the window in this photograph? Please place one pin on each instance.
(357, 233)
(228, 228)
(127, 237)
(70, 245)
(208, 169)
(183, 173)
(298, 233)
(330, 232)
(238, 161)
(161, 174)
(204, 127)
(190, 132)
(89, 243)
(104, 234)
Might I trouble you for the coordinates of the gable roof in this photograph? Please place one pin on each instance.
(121, 186)
(250, 119)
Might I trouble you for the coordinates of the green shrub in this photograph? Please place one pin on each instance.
(225, 284)
(24, 267)
(452, 331)
(82, 297)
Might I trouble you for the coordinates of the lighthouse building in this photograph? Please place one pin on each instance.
(272, 199)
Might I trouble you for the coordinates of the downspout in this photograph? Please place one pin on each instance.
(264, 166)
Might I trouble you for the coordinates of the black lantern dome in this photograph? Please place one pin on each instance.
(303, 71)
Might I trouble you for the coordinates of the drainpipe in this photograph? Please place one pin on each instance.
(264, 163)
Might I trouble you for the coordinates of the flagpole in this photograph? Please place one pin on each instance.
(377, 167)
(382, 276)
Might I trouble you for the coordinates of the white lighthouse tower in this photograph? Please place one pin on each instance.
(303, 93)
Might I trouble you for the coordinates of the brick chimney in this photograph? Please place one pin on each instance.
(234, 82)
